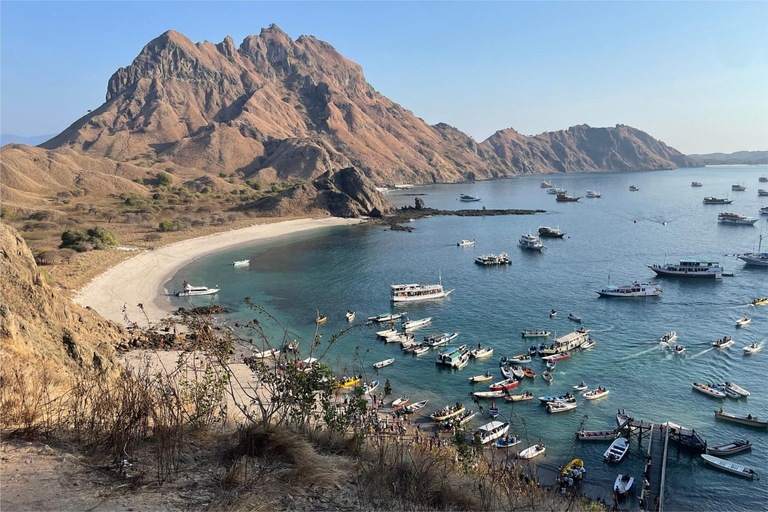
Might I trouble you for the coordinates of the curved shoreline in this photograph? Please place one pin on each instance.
(141, 278)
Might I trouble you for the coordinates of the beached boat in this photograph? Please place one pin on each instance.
(449, 411)
(735, 219)
(574, 470)
(679, 349)
(370, 387)
(417, 291)
(459, 420)
(716, 200)
(504, 384)
(735, 387)
(480, 353)
(508, 442)
(730, 467)
(465, 243)
(735, 446)
(519, 398)
(622, 485)
(558, 406)
(568, 397)
(489, 394)
(399, 402)
(411, 408)
(565, 343)
(634, 188)
(350, 315)
(703, 388)
(752, 348)
(547, 376)
(536, 334)
(531, 242)
(532, 452)
(689, 268)
(412, 325)
(752, 421)
(382, 364)
(468, 199)
(241, 263)
(191, 291)
(596, 435)
(635, 289)
(548, 232)
(595, 394)
(590, 343)
(481, 378)
(743, 321)
(724, 342)
(668, 338)
(267, 353)
(387, 317)
(580, 387)
(618, 449)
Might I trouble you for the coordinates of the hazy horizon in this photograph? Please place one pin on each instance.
(691, 74)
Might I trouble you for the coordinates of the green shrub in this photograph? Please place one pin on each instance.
(169, 225)
(164, 179)
(85, 240)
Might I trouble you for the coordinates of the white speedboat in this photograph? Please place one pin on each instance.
(623, 484)
(679, 349)
(668, 338)
(730, 467)
(480, 353)
(590, 343)
(382, 364)
(558, 406)
(241, 263)
(736, 219)
(724, 342)
(580, 387)
(400, 401)
(191, 291)
(631, 290)
(411, 325)
(689, 268)
(530, 242)
(618, 449)
(593, 193)
(386, 317)
(758, 258)
(492, 431)
(595, 394)
(743, 321)
(417, 291)
(466, 243)
(752, 348)
(532, 452)
(554, 191)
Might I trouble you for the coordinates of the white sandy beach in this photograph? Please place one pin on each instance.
(141, 278)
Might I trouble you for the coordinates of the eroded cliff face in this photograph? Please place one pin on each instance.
(38, 326)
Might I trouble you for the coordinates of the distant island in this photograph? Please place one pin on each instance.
(737, 158)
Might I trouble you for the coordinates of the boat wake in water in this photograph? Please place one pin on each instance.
(710, 349)
(641, 353)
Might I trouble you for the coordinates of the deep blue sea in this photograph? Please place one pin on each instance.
(338, 269)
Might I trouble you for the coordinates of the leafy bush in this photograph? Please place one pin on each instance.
(164, 179)
(85, 240)
(169, 225)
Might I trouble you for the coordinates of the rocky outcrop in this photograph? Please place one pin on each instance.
(581, 148)
(346, 193)
(39, 326)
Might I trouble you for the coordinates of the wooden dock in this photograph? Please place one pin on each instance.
(654, 475)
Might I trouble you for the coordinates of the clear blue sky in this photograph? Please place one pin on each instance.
(693, 74)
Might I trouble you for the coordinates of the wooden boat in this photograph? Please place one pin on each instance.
(519, 398)
(703, 388)
(489, 394)
(596, 435)
(622, 485)
(241, 263)
(480, 353)
(532, 452)
(743, 321)
(562, 398)
(590, 343)
(508, 442)
(759, 302)
(267, 353)
(668, 338)
(412, 325)
(752, 348)
(730, 467)
(527, 372)
(447, 412)
(679, 349)
(725, 341)
(752, 421)
(521, 359)
(423, 349)
(382, 364)
(492, 431)
(321, 319)
(387, 317)
(573, 317)
(400, 402)
(552, 314)
(415, 407)
(735, 387)
(481, 378)
(493, 411)
(556, 357)
(516, 371)
(546, 376)
(580, 387)
(618, 449)
(551, 366)
(370, 387)
(536, 334)
(350, 316)
(504, 384)
(595, 394)
(735, 446)
(558, 406)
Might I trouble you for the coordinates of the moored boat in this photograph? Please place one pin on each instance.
(752, 421)
(507, 442)
(481, 378)
(504, 384)
(548, 232)
(386, 317)
(635, 289)
(489, 394)
(600, 392)
(565, 343)
(558, 406)
(527, 372)
(423, 349)
(716, 200)
(735, 219)
(580, 387)
(568, 397)
(596, 435)
(696, 184)
(703, 388)
(382, 364)
(399, 402)
(689, 268)
(519, 398)
(532, 452)
(618, 449)
(738, 188)
(531, 242)
(593, 193)
(536, 334)
(411, 325)
(490, 260)
(623, 484)
(573, 317)
(730, 467)
(493, 411)
(563, 197)
(440, 338)
(590, 343)
(459, 420)
(547, 376)
(521, 359)
(759, 258)
(468, 199)
(386, 333)
(735, 446)
(411, 408)
(480, 353)
(556, 357)
(417, 291)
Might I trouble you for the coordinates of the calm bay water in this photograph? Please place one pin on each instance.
(352, 268)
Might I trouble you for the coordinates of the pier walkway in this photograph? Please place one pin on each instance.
(655, 469)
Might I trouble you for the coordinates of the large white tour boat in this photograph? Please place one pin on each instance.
(735, 218)
(418, 291)
(531, 242)
(689, 268)
(716, 200)
(631, 290)
(565, 343)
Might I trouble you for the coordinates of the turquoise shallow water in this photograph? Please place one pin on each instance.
(352, 268)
